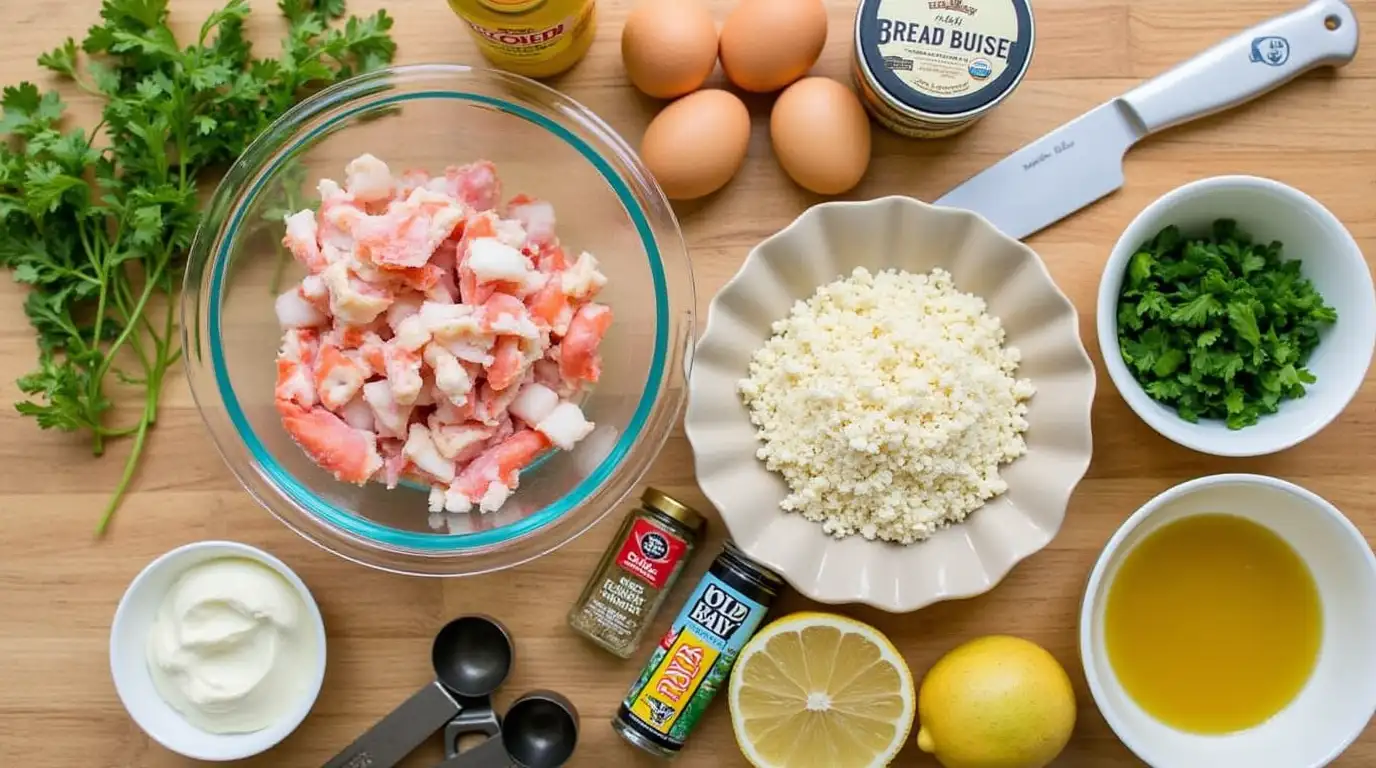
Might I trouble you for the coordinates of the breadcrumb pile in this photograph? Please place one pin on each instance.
(888, 402)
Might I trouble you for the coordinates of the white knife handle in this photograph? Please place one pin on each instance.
(1247, 65)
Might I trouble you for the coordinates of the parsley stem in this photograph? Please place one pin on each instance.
(130, 464)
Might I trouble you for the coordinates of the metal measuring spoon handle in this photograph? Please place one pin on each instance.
(399, 733)
(476, 715)
(489, 754)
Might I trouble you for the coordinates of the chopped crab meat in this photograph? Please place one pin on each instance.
(493, 261)
(550, 308)
(475, 184)
(457, 442)
(368, 179)
(503, 313)
(389, 416)
(351, 299)
(347, 453)
(536, 216)
(358, 414)
(565, 425)
(534, 402)
(508, 363)
(582, 280)
(293, 311)
(409, 232)
(499, 465)
(295, 385)
(313, 291)
(493, 403)
(302, 239)
(402, 367)
(451, 378)
(434, 337)
(511, 233)
(578, 359)
(337, 378)
(411, 333)
(421, 451)
(403, 306)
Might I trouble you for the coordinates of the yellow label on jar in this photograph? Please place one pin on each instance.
(946, 48)
(535, 38)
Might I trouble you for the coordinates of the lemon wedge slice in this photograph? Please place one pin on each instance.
(818, 690)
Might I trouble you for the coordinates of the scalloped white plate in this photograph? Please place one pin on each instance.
(824, 244)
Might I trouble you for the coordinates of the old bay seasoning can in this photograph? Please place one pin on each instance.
(636, 573)
(534, 38)
(695, 657)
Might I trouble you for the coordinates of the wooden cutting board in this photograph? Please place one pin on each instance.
(59, 588)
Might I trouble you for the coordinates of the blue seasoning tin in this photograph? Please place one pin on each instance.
(695, 657)
(930, 68)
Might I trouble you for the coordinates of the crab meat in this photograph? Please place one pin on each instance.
(294, 311)
(368, 179)
(434, 337)
(565, 425)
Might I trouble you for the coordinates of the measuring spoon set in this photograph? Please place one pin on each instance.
(472, 657)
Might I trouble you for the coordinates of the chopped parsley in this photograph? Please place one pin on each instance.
(1219, 327)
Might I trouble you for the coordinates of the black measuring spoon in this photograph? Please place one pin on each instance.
(472, 655)
(540, 730)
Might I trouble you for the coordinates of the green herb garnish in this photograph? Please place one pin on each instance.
(1219, 328)
(98, 224)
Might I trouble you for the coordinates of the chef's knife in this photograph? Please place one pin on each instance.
(1082, 161)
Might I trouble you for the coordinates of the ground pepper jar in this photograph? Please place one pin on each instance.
(636, 573)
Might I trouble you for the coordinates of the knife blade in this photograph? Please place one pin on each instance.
(1082, 161)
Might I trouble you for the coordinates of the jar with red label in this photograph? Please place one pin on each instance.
(636, 573)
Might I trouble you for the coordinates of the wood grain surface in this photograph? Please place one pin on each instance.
(59, 587)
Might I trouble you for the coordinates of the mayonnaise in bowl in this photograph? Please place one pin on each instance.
(218, 650)
(231, 647)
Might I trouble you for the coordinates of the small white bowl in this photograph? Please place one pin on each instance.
(1268, 210)
(1339, 699)
(134, 683)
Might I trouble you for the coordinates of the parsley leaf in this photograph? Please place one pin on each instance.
(99, 232)
(1219, 327)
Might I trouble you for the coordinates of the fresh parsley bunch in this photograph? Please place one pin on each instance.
(98, 223)
(1220, 327)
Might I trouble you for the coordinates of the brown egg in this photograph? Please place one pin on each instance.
(767, 44)
(821, 135)
(697, 143)
(669, 46)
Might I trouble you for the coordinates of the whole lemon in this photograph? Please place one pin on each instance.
(995, 702)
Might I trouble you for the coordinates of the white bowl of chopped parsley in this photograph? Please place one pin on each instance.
(1237, 316)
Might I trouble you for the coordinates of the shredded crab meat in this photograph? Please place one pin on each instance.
(437, 336)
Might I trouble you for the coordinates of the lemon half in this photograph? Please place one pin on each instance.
(818, 690)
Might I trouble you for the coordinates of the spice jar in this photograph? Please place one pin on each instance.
(931, 68)
(694, 659)
(636, 573)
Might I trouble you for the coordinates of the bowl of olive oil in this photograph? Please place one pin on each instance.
(1230, 622)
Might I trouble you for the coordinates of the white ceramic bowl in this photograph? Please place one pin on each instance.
(1330, 258)
(129, 666)
(1334, 706)
(824, 244)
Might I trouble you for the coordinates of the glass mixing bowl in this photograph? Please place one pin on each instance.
(430, 116)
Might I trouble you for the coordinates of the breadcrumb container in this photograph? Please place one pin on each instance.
(931, 68)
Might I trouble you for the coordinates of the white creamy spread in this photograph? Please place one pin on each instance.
(232, 648)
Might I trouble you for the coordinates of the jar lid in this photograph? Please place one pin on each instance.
(661, 502)
(944, 58)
